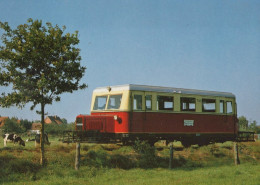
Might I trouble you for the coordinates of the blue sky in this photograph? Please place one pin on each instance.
(202, 44)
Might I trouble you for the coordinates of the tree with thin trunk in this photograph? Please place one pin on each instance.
(40, 63)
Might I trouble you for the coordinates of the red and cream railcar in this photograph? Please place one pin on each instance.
(129, 112)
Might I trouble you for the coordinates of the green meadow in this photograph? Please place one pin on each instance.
(139, 164)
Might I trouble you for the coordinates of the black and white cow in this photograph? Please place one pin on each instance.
(38, 139)
(13, 138)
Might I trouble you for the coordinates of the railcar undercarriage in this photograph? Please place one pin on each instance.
(129, 138)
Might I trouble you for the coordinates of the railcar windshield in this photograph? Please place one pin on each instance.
(114, 102)
(100, 103)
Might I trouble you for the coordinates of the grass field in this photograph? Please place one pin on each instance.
(115, 164)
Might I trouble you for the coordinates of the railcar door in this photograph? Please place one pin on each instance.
(138, 112)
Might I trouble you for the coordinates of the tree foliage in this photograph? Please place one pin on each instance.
(13, 125)
(254, 127)
(40, 62)
(55, 129)
(245, 125)
(26, 124)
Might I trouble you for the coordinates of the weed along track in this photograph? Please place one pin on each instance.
(101, 161)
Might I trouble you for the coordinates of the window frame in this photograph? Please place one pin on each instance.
(188, 109)
(227, 107)
(164, 109)
(97, 108)
(111, 95)
(223, 106)
(133, 104)
(208, 101)
(151, 100)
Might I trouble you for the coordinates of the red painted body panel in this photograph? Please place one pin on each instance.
(104, 123)
(148, 122)
(121, 126)
(174, 123)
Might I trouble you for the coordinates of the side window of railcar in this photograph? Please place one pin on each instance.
(208, 105)
(100, 103)
(188, 104)
(164, 103)
(137, 104)
(229, 107)
(221, 106)
(148, 102)
(114, 101)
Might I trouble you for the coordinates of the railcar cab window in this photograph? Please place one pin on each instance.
(100, 103)
(229, 107)
(208, 105)
(148, 102)
(137, 104)
(114, 101)
(188, 104)
(164, 103)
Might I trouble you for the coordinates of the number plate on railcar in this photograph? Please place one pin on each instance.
(189, 123)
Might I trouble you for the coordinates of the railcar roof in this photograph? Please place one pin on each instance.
(147, 88)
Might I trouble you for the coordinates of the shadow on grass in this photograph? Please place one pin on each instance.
(13, 168)
(101, 159)
(141, 155)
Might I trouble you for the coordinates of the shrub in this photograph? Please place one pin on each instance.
(13, 168)
(120, 161)
(102, 159)
(56, 129)
(143, 148)
(27, 125)
(97, 158)
(148, 158)
(12, 126)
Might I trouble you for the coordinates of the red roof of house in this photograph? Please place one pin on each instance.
(2, 121)
(36, 126)
(54, 119)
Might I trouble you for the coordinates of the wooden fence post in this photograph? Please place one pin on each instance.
(171, 156)
(77, 159)
(236, 156)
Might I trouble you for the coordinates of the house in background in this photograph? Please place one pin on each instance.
(2, 121)
(36, 128)
(53, 120)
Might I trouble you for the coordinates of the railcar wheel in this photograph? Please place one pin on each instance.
(186, 144)
(127, 142)
(203, 143)
(151, 142)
